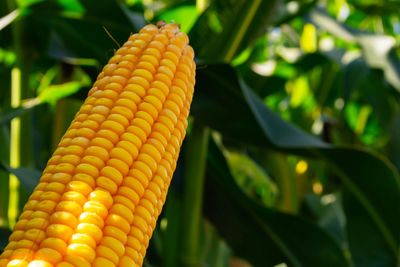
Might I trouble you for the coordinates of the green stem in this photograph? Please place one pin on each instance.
(15, 135)
(20, 133)
(196, 156)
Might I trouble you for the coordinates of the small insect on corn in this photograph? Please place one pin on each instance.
(99, 197)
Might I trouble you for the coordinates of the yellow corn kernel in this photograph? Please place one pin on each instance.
(101, 262)
(90, 229)
(102, 191)
(77, 261)
(54, 243)
(40, 263)
(65, 264)
(61, 231)
(107, 253)
(82, 250)
(49, 255)
(83, 239)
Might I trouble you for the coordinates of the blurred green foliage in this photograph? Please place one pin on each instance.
(301, 98)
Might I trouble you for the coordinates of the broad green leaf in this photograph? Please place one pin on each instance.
(28, 177)
(358, 225)
(359, 177)
(327, 209)
(263, 236)
(229, 26)
(370, 178)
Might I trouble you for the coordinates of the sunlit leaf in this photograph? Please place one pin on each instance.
(54, 92)
(274, 237)
(219, 97)
(308, 39)
(300, 91)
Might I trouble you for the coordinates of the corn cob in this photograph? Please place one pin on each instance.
(101, 192)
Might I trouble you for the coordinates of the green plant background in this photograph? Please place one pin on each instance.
(292, 156)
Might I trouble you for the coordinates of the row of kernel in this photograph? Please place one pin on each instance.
(151, 198)
(49, 199)
(99, 95)
(135, 45)
(115, 165)
(155, 194)
(91, 219)
(141, 229)
(19, 232)
(110, 72)
(117, 244)
(81, 118)
(140, 127)
(164, 166)
(112, 245)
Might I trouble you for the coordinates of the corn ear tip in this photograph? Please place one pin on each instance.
(175, 27)
(161, 23)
